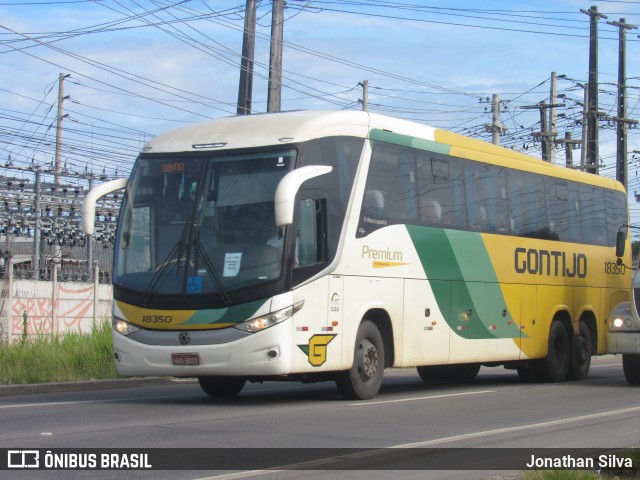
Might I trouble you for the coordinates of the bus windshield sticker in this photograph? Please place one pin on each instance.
(232, 264)
(194, 284)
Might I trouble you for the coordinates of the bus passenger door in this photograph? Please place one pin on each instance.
(318, 324)
(426, 333)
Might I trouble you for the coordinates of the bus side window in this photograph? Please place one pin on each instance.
(616, 205)
(311, 248)
(390, 194)
(559, 209)
(594, 216)
(528, 206)
(441, 191)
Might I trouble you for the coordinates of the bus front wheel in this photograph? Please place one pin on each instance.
(631, 368)
(362, 381)
(221, 387)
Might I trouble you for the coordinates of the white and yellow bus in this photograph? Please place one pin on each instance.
(317, 246)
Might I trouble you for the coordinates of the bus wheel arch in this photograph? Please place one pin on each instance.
(555, 366)
(363, 380)
(382, 320)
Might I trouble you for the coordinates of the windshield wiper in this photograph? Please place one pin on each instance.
(209, 267)
(162, 272)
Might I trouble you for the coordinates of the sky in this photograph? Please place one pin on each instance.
(136, 68)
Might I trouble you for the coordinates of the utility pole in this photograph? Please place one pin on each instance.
(61, 99)
(544, 133)
(621, 121)
(365, 94)
(592, 131)
(553, 131)
(275, 57)
(496, 127)
(245, 87)
(569, 145)
(585, 128)
(36, 230)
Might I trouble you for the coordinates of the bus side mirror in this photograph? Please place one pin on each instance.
(88, 211)
(288, 188)
(621, 240)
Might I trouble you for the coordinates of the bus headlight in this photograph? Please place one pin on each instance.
(269, 320)
(619, 322)
(123, 327)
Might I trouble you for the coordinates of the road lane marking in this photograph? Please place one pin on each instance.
(414, 399)
(80, 402)
(531, 426)
(376, 451)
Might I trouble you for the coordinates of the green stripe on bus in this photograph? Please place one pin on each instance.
(235, 314)
(464, 283)
(407, 141)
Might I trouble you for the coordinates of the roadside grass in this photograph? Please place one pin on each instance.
(68, 357)
(604, 474)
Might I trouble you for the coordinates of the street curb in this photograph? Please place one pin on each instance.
(86, 385)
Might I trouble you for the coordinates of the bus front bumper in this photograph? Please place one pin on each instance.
(261, 354)
(623, 342)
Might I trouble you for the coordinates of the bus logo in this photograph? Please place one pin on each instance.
(23, 458)
(316, 350)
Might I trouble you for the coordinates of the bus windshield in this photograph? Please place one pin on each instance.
(203, 224)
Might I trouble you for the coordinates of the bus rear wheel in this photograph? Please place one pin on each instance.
(362, 381)
(555, 366)
(221, 387)
(580, 354)
(631, 368)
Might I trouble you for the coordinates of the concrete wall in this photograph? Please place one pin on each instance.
(51, 307)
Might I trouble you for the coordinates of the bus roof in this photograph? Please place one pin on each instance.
(292, 127)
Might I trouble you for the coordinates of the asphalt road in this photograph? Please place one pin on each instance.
(495, 411)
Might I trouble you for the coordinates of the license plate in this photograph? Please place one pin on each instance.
(185, 358)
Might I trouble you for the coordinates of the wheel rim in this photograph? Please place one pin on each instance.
(367, 360)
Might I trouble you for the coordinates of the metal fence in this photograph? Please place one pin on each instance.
(40, 227)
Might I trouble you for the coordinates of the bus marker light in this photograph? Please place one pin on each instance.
(335, 323)
(199, 146)
(327, 329)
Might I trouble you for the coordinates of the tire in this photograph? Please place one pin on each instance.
(221, 387)
(362, 381)
(464, 372)
(580, 354)
(631, 368)
(555, 366)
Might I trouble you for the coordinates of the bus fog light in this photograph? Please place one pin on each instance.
(273, 353)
